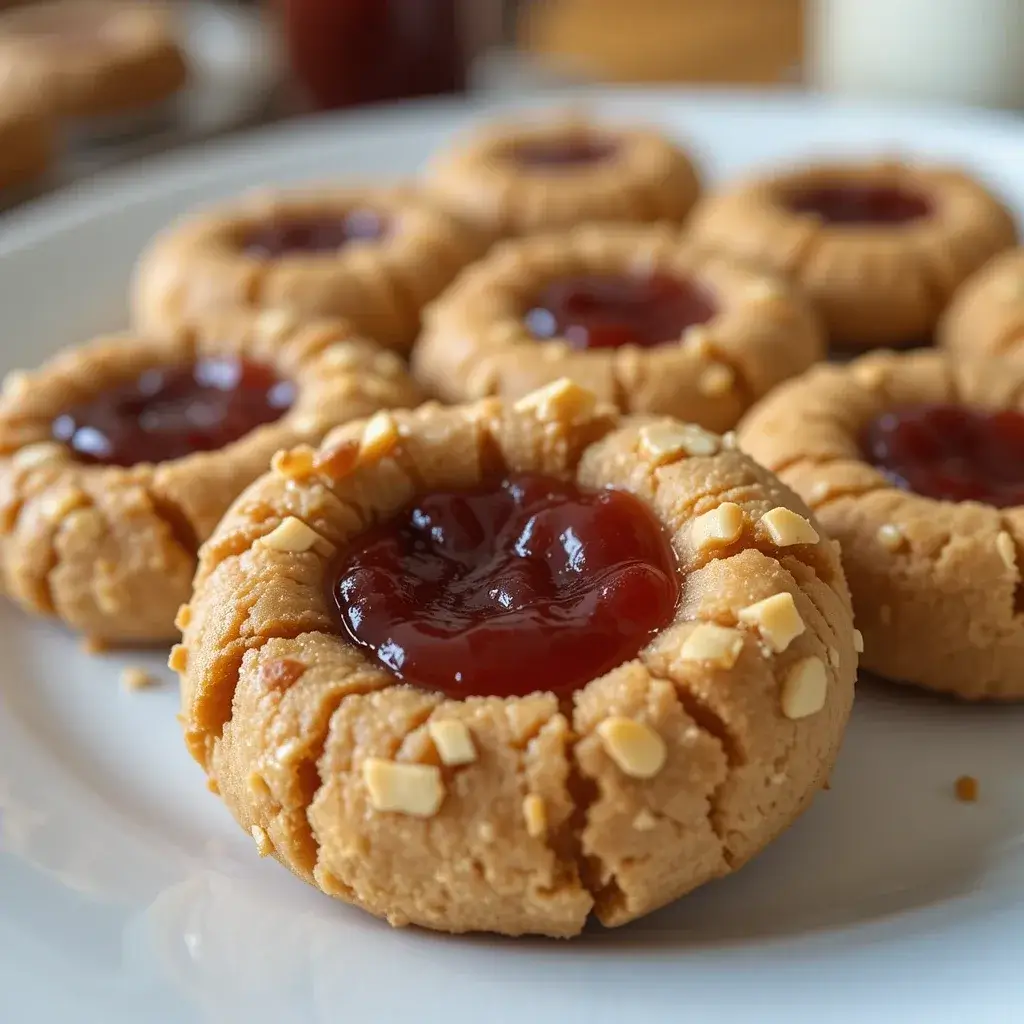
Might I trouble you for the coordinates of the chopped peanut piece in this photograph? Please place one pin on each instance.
(891, 537)
(786, 528)
(1007, 550)
(380, 435)
(858, 641)
(663, 442)
(717, 645)
(535, 814)
(804, 688)
(294, 464)
(562, 400)
(413, 789)
(720, 526)
(453, 741)
(776, 619)
(264, 847)
(636, 748)
(291, 535)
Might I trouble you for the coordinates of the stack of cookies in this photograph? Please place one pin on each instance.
(514, 523)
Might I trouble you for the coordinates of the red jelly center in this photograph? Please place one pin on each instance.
(951, 452)
(568, 152)
(529, 584)
(314, 234)
(606, 311)
(168, 413)
(861, 204)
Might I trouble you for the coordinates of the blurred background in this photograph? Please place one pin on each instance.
(254, 61)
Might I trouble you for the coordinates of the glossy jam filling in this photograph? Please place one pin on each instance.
(578, 151)
(168, 413)
(606, 311)
(951, 452)
(531, 583)
(860, 204)
(314, 234)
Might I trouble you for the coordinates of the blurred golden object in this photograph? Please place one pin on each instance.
(709, 41)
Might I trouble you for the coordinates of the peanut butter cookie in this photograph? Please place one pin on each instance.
(879, 247)
(516, 179)
(119, 457)
(986, 316)
(94, 58)
(635, 314)
(497, 666)
(375, 256)
(915, 464)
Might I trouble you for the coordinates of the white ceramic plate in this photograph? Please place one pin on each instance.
(128, 895)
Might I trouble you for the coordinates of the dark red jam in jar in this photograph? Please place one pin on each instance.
(606, 311)
(311, 235)
(951, 452)
(531, 583)
(860, 204)
(169, 413)
(570, 152)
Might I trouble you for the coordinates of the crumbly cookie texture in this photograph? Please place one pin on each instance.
(936, 585)
(111, 551)
(380, 286)
(475, 342)
(986, 316)
(94, 58)
(27, 136)
(519, 815)
(874, 285)
(646, 177)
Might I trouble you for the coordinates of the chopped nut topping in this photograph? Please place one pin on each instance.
(636, 748)
(1007, 550)
(453, 742)
(535, 814)
(294, 464)
(663, 442)
(183, 618)
(804, 688)
(720, 526)
(786, 528)
(178, 659)
(291, 535)
(561, 400)
(337, 460)
(134, 679)
(858, 641)
(776, 619)
(891, 537)
(33, 455)
(966, 789)
(258, 785)
(264, 847)
(716, 380)
(644, 821)
(380, 435)
(414, 789)
(716, 645)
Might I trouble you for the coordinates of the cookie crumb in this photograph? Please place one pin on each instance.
(178, 658)
(535, 814)
(413, 789)
(134, 679)
(264, 847)
(1007, 550)
(966, 789)
(453, 742)
(776, 619)
(183, 618)
(636, 748)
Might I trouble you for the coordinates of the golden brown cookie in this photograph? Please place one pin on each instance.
(723, 334)
(516, 179)
(986, 316)
(879, 247)
(518, 814)
(27, 139)
(108, 544)
(935, 581)
(94, 58)
(375, 256)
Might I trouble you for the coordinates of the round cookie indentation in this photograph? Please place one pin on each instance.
(168, 413)
(951, 452)
(527, 583)
(323, 234)
(610, 310)
(860, 203)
